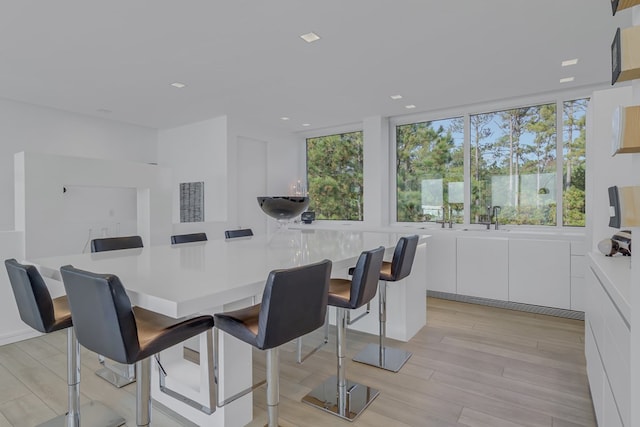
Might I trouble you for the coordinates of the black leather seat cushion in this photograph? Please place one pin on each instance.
(157, 332)
(385, 272)
(242, 324)
(340, 293)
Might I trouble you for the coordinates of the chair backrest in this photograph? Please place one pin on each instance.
(243, 232)
(115, 243)
(102, 314)
(188, 238)
(364, 282)
(32, 296)
(294, 303)
(403, 257)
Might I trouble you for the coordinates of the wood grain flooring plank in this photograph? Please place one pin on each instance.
(556, 409)
(4, 422)
(26, 411)
(473, 418)
(11, 387)
(581, 402)
(46, 385)
(527, 355)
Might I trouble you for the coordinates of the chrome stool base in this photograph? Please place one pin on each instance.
(93, 414)
(114, 378)
(326, 397)
(391, 359)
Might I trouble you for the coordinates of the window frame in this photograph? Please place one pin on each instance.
(483, 108)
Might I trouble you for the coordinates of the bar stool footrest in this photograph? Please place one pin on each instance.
(93, 414)
(393, 360)
(325, 397)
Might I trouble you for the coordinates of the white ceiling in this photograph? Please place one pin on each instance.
(245, 58)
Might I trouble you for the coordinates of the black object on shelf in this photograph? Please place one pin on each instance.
(308, 217)
(616, 58)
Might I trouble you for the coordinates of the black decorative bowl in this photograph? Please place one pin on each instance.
(283, 207)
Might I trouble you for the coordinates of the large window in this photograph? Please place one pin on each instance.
(430, 171)
(520, 167)
(574, 136)
(334, 176)
(513, 166)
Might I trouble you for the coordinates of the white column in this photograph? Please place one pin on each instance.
(377, 205)
(635, 269)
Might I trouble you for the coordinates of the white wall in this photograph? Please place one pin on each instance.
(603, 170)
(41, 203)
(198, 152)
(11, 327)
(25, 127)
(251, 180)
(203, 151)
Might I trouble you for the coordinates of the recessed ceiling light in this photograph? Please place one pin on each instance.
(396, 96)
(306, 124)
(178, 85)
(568, 62)
(284, 118)
(567, 79)
(310, 37)
(410, 106)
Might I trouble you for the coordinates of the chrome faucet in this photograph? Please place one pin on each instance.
(488, 218)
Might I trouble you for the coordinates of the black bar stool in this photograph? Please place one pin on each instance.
(389, 358)
(44, 314)
(115, 374)
(188, 238)
(294, 303)
(106, 323)
(337, 395)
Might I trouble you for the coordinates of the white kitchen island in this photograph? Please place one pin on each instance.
(219, 275)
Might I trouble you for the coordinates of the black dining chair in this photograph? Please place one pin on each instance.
(119, 376)
(294, 303)
(188, 238)
(44, 314)
(389, 358)
(337, 395)
(242, 232)
(107, 324)
(116, 243)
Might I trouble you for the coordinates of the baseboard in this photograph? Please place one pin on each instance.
(529, 308)
(18, 336)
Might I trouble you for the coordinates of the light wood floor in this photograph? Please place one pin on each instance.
(471, 366)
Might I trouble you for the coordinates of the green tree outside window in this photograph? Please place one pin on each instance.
(335, 177)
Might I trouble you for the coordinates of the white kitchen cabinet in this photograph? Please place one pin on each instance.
(608, 339)
(540, 272)
(483, 267)
(441, 263)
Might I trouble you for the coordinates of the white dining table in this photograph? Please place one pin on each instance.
(219, 275)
